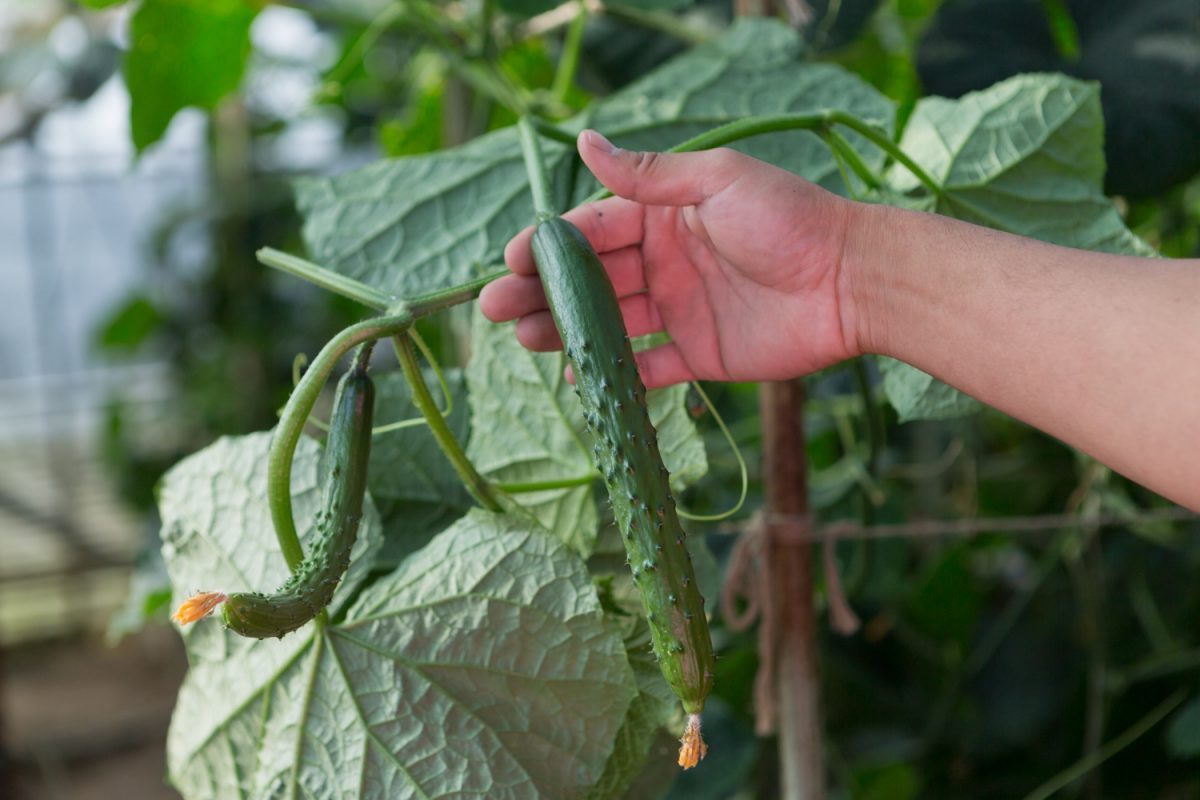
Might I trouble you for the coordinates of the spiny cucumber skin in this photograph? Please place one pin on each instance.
(625, 446)
(310, 588)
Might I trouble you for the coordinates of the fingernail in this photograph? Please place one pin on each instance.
(597, 140)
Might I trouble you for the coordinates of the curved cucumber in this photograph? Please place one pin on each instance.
(588, 318)
(310, 588)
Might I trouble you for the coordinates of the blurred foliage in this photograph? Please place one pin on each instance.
(983, 666)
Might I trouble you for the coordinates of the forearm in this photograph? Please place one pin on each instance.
(1101, 351)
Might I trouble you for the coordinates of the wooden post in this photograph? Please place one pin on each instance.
(789, 560)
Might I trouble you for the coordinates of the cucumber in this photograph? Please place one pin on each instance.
(625, 445)
(310, 588)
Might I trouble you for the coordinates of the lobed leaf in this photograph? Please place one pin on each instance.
(482, 665)
(423, 223)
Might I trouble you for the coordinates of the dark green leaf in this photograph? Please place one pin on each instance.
(130, 325)
(183, 53)
(423, 223)
(415, 488)
(1183, 734)
(945, 604)
(526, 8)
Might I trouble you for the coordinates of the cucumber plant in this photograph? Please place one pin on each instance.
(396, 231)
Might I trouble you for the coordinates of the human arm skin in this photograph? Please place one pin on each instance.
(1101, 351)
(759, 275)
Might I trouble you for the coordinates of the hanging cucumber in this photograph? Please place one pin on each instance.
(310, 588)
(588, 318)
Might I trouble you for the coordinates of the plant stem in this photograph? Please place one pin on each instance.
(325, 278)
(552, 131)
(737, 454)
(843, 148)
(871, 412)
(568, 63)
(661, 21)
(479, 488)
(425, 304)
(294, 415)
(545, 486)
(1098, 757)
(757, 126)
(539, 184)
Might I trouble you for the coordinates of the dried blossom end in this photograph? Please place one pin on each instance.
(692, 748)
(198, 606)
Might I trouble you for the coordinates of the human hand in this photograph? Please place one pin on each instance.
(739, 261)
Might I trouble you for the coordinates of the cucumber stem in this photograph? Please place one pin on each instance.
(535, 165)
(756, 126)
(295, 414)
(544, 486)
(475, 483)
(423, 305)
(325, 278)
(568, 63)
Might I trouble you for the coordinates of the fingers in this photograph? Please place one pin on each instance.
(658, 367)
(609, 224)
(660, 179)
(515, 296)
(536, 331)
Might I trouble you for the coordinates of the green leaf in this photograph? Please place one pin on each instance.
(918, 395)
(757, 67)
(481, 666)
(129, 325)
(183, 53)
(423, 223)
(527, 426)
(653, 707)
(891, 782)
(1183, 734)
(945, 604)
(413, 485)
(418, 224)
(1025, 156)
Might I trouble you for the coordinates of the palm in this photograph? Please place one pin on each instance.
(736, 260)
(733, 281)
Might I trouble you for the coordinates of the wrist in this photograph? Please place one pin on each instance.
(870, 231)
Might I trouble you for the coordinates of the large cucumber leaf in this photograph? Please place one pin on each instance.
(482, 665)
(413, 225)
(1025, 156)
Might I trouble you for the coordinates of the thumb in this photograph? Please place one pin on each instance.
(659, 179)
